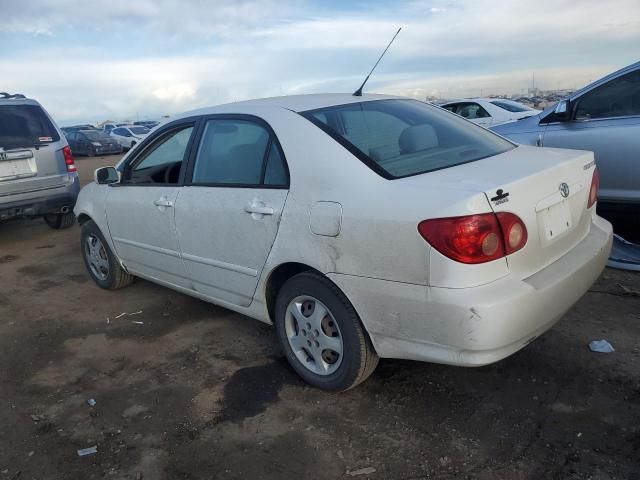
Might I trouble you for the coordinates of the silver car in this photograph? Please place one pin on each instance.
(603, 117)
(38, 177)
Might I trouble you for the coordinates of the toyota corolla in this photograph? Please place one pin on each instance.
(360, 226)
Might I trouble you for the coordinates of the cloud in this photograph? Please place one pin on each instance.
(150, 57)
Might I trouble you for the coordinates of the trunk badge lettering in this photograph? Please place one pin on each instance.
(564, 189)
(501, 197)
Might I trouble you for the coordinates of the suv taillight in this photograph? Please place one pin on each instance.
(595, 186)
(475, 238)
(68, 159)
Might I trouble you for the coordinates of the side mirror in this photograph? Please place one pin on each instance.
(106, 176)
(563, 110)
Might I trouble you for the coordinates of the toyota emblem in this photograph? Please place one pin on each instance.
(564, 189)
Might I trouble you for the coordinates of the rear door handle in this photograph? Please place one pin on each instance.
(256, 207)
(163, 203)
(259, 209)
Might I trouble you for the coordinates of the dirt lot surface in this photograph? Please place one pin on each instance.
(199, 392)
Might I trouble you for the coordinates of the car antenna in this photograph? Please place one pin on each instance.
(358, 92)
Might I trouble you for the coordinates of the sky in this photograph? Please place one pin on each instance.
(87, 61)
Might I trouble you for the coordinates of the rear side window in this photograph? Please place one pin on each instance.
(400, 138)
(239, 153)
(25, 126)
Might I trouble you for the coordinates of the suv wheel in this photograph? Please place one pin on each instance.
(321, 334)
(59, 221)
(101, 263)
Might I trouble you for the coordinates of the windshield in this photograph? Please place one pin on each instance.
(139, 130)
(25, 126)
(511, 106)
(400, 138)
(95, 135)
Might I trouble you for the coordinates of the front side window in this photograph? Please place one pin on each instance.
(238, 152)
(160, 162)
(25, 126)
(619, 97)
(399, 138)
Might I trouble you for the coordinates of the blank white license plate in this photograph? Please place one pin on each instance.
(556, 220)
(15, 168)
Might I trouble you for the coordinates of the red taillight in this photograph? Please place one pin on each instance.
(68, 159)
(514, 233)
(595, 186)
(475, 238)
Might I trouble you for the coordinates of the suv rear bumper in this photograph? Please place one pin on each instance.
(45, 202)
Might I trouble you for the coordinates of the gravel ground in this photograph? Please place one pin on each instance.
(197, 392)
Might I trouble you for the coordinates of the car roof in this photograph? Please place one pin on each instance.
(19, 101)
(296, 103)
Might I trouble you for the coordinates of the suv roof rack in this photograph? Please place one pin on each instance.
(8, 95)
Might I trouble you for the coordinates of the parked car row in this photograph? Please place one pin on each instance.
(93, 142)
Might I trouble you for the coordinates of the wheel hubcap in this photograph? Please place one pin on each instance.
(314, 335)
(96, 256)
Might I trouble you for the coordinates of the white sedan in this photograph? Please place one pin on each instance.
(130, 135)
(362, 227)
(490, 111)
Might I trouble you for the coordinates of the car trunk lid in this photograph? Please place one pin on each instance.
(547, 188)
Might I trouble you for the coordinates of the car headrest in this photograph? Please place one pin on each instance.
(417, 138)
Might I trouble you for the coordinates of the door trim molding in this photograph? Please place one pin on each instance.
(225, 266)
(146, 246)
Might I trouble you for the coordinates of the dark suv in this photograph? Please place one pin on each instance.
(37, 174)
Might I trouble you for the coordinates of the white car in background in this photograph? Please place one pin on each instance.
(490, 111)
(361, 226)
(129, 135)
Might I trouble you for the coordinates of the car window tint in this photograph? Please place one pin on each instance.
(25, 126)
(275, 171)
(619, 97)
(231, 152)
(161, 161)
(418, 139)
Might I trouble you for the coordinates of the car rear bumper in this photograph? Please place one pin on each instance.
(479, 325)
(41, 202)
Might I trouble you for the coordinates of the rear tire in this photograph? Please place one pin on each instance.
(102, 265)
(58, 221)
(336, 323)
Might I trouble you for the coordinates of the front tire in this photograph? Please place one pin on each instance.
(101, 263)
(322, 335)
(59, 221)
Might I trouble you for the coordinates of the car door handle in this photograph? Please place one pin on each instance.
(163, 203)
(258, 208)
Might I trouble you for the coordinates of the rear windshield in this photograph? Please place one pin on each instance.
(139, 130)
(25, 126)
(511, 107)
(400, 138)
